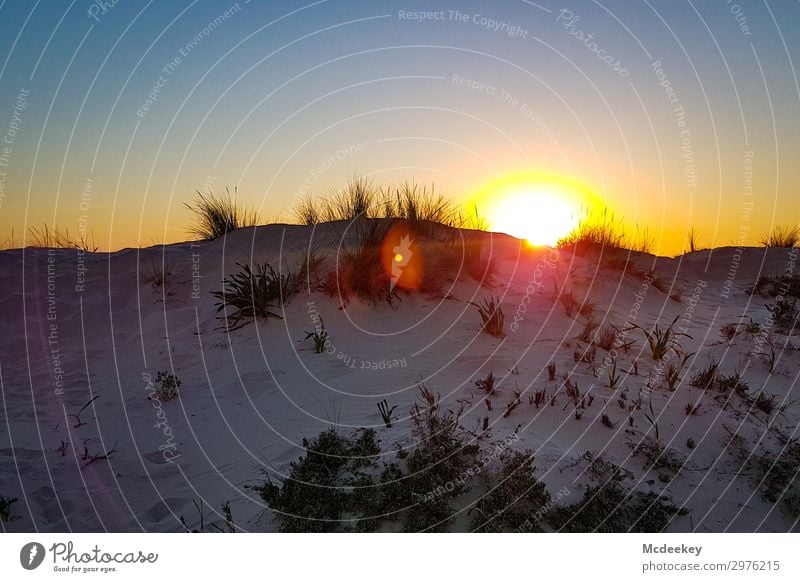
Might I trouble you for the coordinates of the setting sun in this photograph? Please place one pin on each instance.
(540, 209)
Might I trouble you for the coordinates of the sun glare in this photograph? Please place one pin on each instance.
(540, 209)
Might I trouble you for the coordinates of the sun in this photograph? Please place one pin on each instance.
(539, 208)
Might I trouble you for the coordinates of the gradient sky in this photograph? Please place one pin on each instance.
(282, 98)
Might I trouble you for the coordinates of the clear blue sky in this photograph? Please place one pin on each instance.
(266, 94)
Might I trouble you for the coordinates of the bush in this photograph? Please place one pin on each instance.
(784, 314)
(785, 285)
(515, 497)
(779, 478)
(782, 236)
(610, 508)
(6, 510)
(254, 295)
(217, 215)
(168, 385)
(318, 488)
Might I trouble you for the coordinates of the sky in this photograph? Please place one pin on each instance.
(673, 114)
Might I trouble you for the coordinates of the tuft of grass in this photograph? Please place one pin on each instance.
(487, 384)
(492, 316)
(551, 371)
(254, 295)
(160, 275)
(782, 236)
(606, 338)
(706, 377)
(661, 340)
(45, 238)
(765, 402)
(732, 383)
(218, 214)
(673, 370)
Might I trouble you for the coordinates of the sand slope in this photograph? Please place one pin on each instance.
(249, 397)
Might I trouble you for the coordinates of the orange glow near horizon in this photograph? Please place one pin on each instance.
(539, 208)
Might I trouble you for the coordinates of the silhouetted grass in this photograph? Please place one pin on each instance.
(219, 214)
(782, 236)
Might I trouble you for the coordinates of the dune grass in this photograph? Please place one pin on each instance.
(409, 201)
(46, 238)
(782, 237)
(602, 230)
(218, 214)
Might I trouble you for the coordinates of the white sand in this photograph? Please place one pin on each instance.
(248, 398)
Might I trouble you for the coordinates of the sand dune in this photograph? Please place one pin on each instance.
(249, 397)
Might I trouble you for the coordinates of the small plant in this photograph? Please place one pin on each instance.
(428, 397)
(227, 513)
(63, 448)
(254, 295)
(732, 383)
(6, 508)
(588, 355)
(692, 409)
(653, 420)
(492, 316)
(673, 371)
(319, 337)
(613, 377)
(539, 397)
(77, 416)
(168, 385)
(487, 384)
(551, 371)
(658, 457)
(572, 389)
(729, 331)
(764, 402)
(607, 338)
(513, 404)
(706, 377)
(661, 340)
(386, 412)
(607, 422)
(160, 275)
(588, 329)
